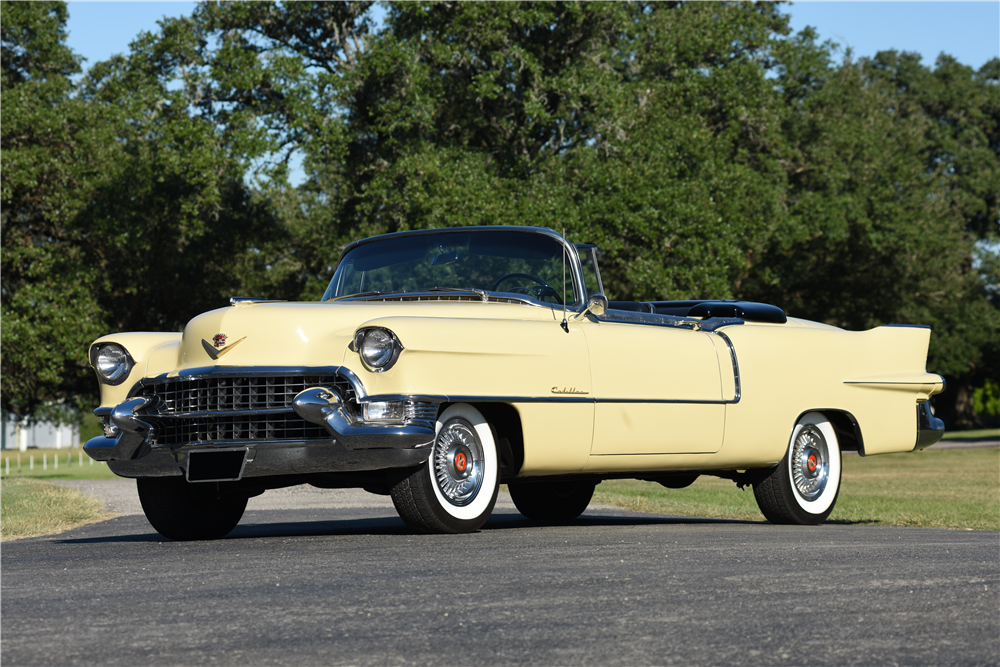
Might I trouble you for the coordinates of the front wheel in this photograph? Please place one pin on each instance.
(803, 488)
(183, 511)
(456, 489)
(551, 502)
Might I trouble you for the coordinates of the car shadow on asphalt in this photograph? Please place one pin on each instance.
(513, 520)
(270, 523)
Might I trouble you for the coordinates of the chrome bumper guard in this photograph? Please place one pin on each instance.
(930, 429)
(324, 406)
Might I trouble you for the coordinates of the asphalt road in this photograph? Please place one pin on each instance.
(323, 578)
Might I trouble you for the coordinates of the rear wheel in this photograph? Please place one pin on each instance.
(183, 511)
(456, 489)
(555, 501)
(803, 488)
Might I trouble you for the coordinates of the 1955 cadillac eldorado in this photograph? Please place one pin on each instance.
(442, 363)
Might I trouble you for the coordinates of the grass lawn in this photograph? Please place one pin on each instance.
(30, 507)
(958, 488)
(981, 434)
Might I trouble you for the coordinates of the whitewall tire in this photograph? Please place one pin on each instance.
(803, 488)
(456, 489)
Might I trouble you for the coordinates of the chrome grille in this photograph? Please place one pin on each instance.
(242, 408)
(218, 393)
(278, 426)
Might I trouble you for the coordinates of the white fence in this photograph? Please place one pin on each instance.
(42, 435)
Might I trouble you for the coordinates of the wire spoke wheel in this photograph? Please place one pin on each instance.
(810, 462)
(458, 462)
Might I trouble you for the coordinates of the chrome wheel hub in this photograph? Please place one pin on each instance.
(810, 463)
(458, 462)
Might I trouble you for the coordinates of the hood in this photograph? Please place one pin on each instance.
(271, 334)
(310, 333)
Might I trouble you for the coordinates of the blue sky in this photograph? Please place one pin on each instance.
(969, 31)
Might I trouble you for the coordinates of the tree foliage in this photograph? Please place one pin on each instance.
(708, 151)
(121, 210)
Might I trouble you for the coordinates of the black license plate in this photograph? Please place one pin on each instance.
(216, 466)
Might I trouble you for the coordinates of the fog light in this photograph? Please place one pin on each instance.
(385, 411)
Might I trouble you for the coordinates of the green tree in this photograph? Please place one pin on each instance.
(706, 150)
(122, 209)
(644, 128)
(52, 149)
(892, 179)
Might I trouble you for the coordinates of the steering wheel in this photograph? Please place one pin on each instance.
(543, 290)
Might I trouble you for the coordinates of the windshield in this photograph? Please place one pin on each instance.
(524, 263)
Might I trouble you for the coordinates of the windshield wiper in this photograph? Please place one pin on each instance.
(359, 295)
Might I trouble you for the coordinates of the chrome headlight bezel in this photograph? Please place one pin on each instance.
(112, 363)
(377, 347)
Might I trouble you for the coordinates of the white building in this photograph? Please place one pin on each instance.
(43, 435)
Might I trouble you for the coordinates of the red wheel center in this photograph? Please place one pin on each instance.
(812, 463)
(460, 462)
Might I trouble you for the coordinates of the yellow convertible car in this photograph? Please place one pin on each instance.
(442, 363)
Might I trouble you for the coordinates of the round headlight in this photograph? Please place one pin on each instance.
(378, 348)
(112, 363)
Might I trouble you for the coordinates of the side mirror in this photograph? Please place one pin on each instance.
(597, 304)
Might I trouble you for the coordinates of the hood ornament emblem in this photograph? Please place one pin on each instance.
(219, 341)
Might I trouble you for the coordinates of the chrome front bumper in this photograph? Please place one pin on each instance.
(131, 449)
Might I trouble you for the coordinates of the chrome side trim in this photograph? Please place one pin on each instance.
(736, 365)
(581, 399)
(665, 400)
